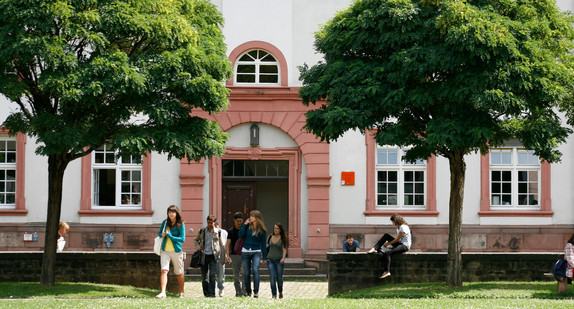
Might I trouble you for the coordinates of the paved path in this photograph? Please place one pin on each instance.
(291, 289)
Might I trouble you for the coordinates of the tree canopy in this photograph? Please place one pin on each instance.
(445, 78)
(87, 72)
(444, 74)
(126, 73)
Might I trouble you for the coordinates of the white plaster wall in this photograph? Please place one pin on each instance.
(71, 194)
(165, 187)
(562, 193)
(269, 136)
(471, 201)
(347, 203)
(6, 108)
(566, 5)
(258, 20)
(308, 16)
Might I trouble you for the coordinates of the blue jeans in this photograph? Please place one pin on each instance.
(251, 261)
(275, 276)
(220, 274)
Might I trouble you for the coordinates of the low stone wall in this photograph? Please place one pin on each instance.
(357, 270)
(138, 269)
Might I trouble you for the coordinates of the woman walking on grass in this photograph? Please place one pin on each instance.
(253, 251)
(172, 230)
(278, 244)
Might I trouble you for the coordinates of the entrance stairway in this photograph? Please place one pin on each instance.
(295, 268)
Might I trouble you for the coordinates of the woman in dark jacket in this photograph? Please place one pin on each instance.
(253, 251)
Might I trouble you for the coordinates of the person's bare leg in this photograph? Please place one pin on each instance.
(181, 281)
(163, 283)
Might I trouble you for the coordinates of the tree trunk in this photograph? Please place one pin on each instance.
(457, 175)
(57, 164)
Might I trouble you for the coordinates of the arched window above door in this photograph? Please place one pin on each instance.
(257, 67)
(258, 64)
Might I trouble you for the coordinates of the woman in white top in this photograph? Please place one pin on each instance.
(389, 245)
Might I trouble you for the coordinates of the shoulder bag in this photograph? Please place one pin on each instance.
(197, 259)
(157, 243)
(239, 245)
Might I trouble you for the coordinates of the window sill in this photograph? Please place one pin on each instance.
(116, 213)
(13, 212)
(410, 213)
(516, 213)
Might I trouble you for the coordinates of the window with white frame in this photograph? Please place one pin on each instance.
(7, 173)
(514, 178)
(257, 67)
(400, 184)
(117, 181)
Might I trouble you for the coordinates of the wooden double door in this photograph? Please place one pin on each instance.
(238, 196)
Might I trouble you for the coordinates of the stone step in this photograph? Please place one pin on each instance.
(265, 277)
(264, 271)
(294, 269)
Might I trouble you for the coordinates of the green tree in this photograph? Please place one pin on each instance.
(445, 77)
(128, 73)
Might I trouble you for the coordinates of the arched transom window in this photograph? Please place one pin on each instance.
(257, 67)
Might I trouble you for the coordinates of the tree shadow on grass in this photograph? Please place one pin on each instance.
(71, 290)
(470, 290)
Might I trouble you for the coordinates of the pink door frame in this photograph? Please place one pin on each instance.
(282, 108)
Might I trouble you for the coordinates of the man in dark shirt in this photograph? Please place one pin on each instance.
(350, 244)
(235, 259)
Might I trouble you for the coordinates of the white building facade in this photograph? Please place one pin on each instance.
(319, 191)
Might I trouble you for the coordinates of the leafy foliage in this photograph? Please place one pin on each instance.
(445, 75)
(129, 73)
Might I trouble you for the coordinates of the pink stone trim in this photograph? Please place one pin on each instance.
(293, 155)
(239, 50)
(86, 192)
(371, 210)
(545, 200)
(280, 107)
(20, 209)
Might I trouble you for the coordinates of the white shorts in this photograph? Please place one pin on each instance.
(176, 259)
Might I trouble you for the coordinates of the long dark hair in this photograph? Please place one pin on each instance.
(571, 240)
(398, 219)
(178, 217)
(284, 240)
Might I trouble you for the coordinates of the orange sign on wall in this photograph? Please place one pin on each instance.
(347, 178)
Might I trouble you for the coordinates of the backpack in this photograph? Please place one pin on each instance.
(559, 270)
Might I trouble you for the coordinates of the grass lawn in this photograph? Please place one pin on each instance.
(416, 295)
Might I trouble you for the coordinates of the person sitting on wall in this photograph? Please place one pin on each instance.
(350, 244)
(389, 245)
(63, 228)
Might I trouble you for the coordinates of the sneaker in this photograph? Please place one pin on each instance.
(385, 274)
(161, 295)
(181, 295)
(221, 293)
(373, 250)
(255, 295)
(280, 295)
